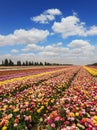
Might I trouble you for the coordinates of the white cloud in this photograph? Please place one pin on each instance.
(23, 36)
(92, 31)
(80, 44)
(53, 12)
(33, 48)
(48, 49)
(72, 26)
(46, 16)
(81, 48)
(14, 51)
(45, 54)
(57, 48)
(76, 52)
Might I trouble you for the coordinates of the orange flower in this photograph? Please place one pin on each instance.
(84, 119)
(54, 113)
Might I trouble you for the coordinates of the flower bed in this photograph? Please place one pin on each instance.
(10, 74)
(77, 109)
(12, 86)
(31, 106)
(92, 71)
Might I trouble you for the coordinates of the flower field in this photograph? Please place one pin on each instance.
(61, 98)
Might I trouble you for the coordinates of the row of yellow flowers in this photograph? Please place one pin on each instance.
(28, 77)
(92, 71)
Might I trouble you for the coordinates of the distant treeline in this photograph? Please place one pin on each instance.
(9, 62)
(94, 64)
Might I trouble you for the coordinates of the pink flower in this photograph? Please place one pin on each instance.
(67, 122)
(49, 121)
(57, 118)
(15, 124)
(53, 125)
(63, 129)
(26, 118)
(88, 128)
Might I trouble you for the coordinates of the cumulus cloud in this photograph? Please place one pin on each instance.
(33, 48)
(56, 48)
(47, 50)
(81, 49)
(72, 26)
(80, 44)
(46, 16)
(23, 36)
(92, 31)
(76, 52)
(14, 51)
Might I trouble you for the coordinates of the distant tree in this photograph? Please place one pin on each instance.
(2, 63)
(32, 63)
(24, 64)
(45, 63)
(27, 63)
(6, 62)
(11, 63)
(19, 63)
(41, 63)
(36, 63)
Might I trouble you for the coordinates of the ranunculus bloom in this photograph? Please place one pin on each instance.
(53, 125)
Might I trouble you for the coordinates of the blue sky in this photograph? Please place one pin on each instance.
(62, 31)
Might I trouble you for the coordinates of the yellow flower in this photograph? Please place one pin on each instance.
(30, 117)
(39, 100)
(96, 97)
(4, 128)
(5, 106)
(15, 110)
(42, 107)
(71, 114)
(52, 101)
(41, 119)
(77, 108)
(81, 126)
(95, 122)
(76, 114)
(46, 103)
(26, 103)
(38, 110)
(95, 118)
